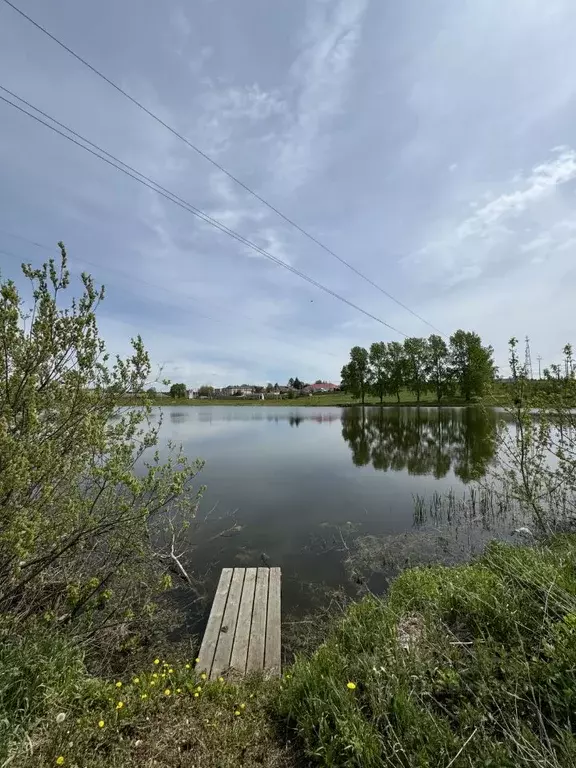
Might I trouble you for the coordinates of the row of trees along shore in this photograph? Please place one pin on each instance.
(464, 366)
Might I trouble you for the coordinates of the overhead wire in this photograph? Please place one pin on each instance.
(220, 167)
(157, 286)
(128, 170)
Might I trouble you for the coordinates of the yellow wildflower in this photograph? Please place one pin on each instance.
(136, 680)
(198, 687)
(60, 760)
(144, 696)
(156, 661)
(170, 671)
(196, 695)
(178, 690)
(120, 705)
(118, 684)
(242, 706)
(155, 675)
(220, 679)
(167, 692)
(152, 682)
(187, 666)
(251, 695)
(101, 724)
(203, 676)
(197, 661)
(351, 686)
(237, 712)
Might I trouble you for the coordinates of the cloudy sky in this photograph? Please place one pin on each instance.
(431, 145)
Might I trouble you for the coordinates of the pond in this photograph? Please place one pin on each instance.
(327, 492)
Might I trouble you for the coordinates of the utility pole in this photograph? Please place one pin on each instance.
(539, 366)
(528, 360)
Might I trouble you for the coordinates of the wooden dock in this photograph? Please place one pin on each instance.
(243, 631)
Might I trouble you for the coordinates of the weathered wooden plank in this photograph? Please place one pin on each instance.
(256, 648)
(244, 624)
(210, 640)
(272, 661)
(228, 627)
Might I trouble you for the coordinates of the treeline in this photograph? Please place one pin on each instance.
(464, 366)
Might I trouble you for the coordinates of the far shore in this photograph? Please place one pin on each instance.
(337, 400)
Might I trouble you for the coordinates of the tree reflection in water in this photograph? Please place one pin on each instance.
(423, 441)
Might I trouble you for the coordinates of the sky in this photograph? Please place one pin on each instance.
(430, 145)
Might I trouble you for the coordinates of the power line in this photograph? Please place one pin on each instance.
(173, 198)
(221, 168)
(155, 286)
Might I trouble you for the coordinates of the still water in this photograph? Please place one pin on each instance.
(302, 487)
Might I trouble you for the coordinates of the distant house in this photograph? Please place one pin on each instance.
(234, 390)
(192, 394)
(320, 387)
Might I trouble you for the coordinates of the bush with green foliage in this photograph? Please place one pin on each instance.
(82, 506)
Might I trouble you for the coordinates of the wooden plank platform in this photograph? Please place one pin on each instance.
(243, 631)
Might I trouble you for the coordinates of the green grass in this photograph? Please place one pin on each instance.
(337, 399)
(467, 666)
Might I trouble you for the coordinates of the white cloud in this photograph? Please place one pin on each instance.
(320, 77)
(490, 235)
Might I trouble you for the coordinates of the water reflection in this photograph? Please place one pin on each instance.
(422, 441)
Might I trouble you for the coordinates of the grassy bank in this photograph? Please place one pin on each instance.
(467, 666)
(337, 399)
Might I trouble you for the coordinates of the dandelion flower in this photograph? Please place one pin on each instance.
(198, 687)
(101, 724)
(203, 676)
(242, 706)
(196, 695)
(220, 679)
(144, 696)
(136, 680)
(351, 686)
(167, 692)
(120, 705)
(178, 690)
(152, 682)
(119, 684)
(170, 671)
(60, 760)
(60, 717)
(155, 675)
(187, 666)
(197, 661)
(237, 712)
(156, 661)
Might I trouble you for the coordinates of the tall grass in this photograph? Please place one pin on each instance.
(466, 666)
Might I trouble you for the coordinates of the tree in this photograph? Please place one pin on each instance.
(297, 384)
(206, 391)
(417, 364)
(379, 369)
(178, 391)
(438, 365)
(290, 383)
(79, 508)
(396, 362)
(269, 387)
(356, 375)
(472, 365)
